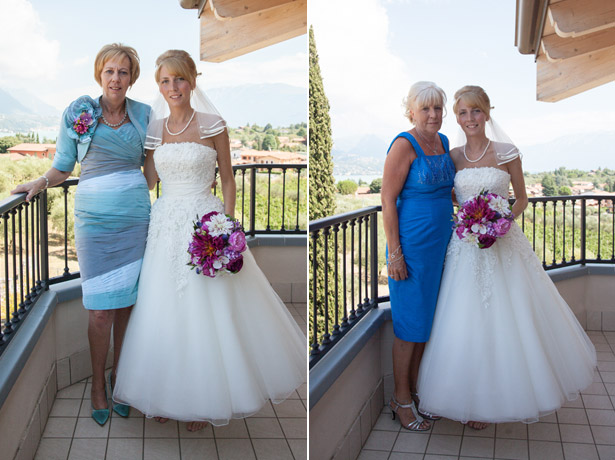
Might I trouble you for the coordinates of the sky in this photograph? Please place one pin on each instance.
(48, 47)
(371, 51)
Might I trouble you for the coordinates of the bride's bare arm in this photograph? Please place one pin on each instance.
(149, 169)
(518, 183)
(222, 145)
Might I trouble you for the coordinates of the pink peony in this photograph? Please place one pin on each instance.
(501, 227)
(237, 241)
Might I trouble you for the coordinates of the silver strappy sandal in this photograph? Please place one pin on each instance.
(426, 415)
(414, 425)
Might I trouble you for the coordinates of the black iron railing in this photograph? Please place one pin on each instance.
(347, 254)
(271, 199)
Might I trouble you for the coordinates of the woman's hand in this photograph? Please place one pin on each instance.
(396, 268)
(31, 188)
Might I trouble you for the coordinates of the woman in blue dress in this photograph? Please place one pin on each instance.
(112, 205)
(416, 207)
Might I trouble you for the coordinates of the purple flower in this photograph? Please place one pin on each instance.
(237, 241)
(486, 241)
(235, 265)
(501, 227)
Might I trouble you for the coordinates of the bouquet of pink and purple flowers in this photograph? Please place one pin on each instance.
(482, 219)
(217, 243)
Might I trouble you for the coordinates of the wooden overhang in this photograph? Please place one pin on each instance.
(231, 28)
(573, 42)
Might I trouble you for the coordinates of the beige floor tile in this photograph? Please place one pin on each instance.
(552, 417)
(478, 447)
(235, 449)
(88, 428)
(488, 432)
(235, 429)
(298, 448)
(198, 449)
(386, 423)
(411, 442)
(606, 452)
(597, 402)
(294, 428)
(161, 449)
(87, 449)
(264, 428)
(153, 429)
(513, 449)
(126, 427)
(605, 356)
(442, 444)
(75, 391)
(604, 434)
(65, 408)
(575, 402)
(543, 432)
(542, 450)
(373, 455)
(207, 432)
(601, 417)
(609, 388)
(380, 440)
(573, 416)
(266, 411)
(272, 449)
(122, 449)
(441, 457)
(602, 346)
(86, 408)
(405, 456)
(53, 449)
(302, 390)
(607, 376)
(608, 366)
(576, 433)
(60, 427)
(580, 451)
(290, 408)
(445, 426)
(595, 389)
(510, 430)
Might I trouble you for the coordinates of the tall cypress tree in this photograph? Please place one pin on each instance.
(322, 192)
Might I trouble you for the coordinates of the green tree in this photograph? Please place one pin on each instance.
(376, 185)
(548, 185)
(301, 132)
(7, 142)
(322, 189)
(565, 190)
(269, 142)
(347, 187)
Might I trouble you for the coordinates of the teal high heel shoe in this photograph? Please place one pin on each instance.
(101, 416)
(123, 410)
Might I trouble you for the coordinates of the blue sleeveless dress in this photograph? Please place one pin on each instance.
(424, 209)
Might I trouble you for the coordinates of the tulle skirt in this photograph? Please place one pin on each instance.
(505, 346)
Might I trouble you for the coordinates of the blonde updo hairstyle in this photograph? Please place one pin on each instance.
(475, 97)
(113, 51)
(177, 62)
(423, 94)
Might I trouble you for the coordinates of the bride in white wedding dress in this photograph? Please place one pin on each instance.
(504, 346)
(200, 349)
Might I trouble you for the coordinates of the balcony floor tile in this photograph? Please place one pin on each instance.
(581, 429)
(277, 431)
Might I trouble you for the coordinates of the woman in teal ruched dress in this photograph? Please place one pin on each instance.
(112, 205)
(417, 213)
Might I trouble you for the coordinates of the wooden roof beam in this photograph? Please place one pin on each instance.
(574, 18)
(559, 80)
(225, 39)
(228, 9)
(557, 48)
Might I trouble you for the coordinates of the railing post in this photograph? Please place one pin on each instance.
(583, 230)
(252, 200)
(44, 240)
(374, 259)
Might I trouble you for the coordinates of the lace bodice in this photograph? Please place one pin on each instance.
(471, 181)
(186, 171)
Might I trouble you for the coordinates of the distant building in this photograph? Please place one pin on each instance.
(249, 156)
(35, 150)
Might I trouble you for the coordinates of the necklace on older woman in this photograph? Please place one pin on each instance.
(115, 125)
(480, 157)
(185, 127)
(434, 149)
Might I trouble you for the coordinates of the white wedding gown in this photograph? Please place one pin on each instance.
(504, 346)
(199, 348)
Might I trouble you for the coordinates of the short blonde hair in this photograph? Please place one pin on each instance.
(423, 94)
(473, 96)
(112, 51)
(177, 62)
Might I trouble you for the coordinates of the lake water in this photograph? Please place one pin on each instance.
(42, 133)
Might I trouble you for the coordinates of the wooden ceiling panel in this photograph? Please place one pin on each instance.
(227, 9)
(557, 48)
(574, 18)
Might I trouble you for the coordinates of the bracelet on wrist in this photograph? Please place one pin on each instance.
(46, 181)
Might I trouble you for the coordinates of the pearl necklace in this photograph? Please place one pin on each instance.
(480, 157)
(112, 125)
(434, 149)
(185, 127)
